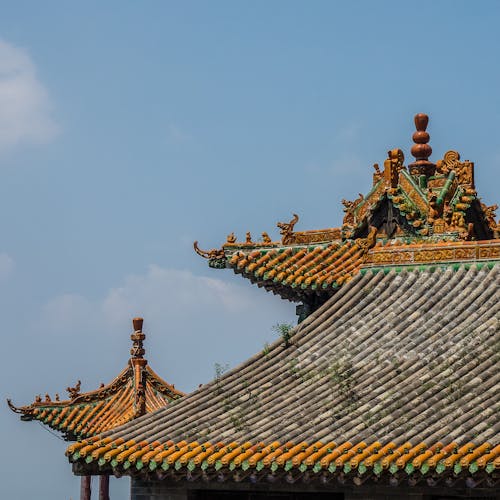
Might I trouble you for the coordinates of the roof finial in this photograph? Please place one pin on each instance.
(137, 338)
(421, 149)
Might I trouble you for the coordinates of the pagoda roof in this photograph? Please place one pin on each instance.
(421, 213)
(135, 391)
(395, 378)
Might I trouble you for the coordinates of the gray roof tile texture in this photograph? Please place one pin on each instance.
(410, 356)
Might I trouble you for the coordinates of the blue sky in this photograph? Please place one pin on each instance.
(128, 130)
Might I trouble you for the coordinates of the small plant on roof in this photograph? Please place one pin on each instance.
(220, 369)
(266, 349)
(284, 330)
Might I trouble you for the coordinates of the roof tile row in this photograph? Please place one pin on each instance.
(316, 457)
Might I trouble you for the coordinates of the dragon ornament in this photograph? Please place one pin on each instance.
(463, 170)
(216, 257)
(286, 229)
(489, 213)
(392, 166)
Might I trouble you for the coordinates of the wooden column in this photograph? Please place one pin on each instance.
(85, 488)
(104, 487)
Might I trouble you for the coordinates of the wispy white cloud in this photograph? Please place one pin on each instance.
(187, 316)
(6, 266)
(171, 293)
(25, 108)
(160, 294)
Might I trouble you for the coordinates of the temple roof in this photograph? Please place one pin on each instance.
(135, 391)
(392, 376)
(395, 377)
(421, 205)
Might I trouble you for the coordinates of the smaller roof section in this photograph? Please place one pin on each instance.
(416, 209)
(137, 390)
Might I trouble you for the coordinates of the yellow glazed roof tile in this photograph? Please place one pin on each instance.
(363, 457)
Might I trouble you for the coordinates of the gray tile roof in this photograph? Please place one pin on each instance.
(409, 356)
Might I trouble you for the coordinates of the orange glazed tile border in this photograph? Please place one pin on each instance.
(329, 266)
(319, 267)
(362, 457)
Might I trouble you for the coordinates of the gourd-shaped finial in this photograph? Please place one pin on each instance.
(421, 149)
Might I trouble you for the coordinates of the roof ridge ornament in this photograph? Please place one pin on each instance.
(421, 150)
(137, 351)
(138, 364)
(286, 229)
(74, 392)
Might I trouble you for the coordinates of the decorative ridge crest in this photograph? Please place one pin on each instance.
(421, 149)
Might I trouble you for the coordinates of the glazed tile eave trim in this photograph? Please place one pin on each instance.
(360, 458)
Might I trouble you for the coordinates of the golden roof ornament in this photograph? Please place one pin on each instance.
(266, 238)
